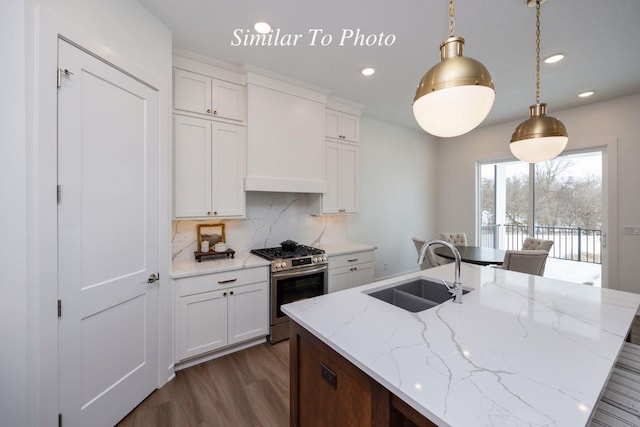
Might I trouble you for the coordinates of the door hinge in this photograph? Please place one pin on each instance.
(60, 73)
(59, 308)
(59, 193)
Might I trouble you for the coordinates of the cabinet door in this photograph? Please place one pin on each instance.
(191, 92)
(348, 178)
(202, 323)
(339, 279)
(361, 274)
(350, 127)
(248, 312)
(227, 100)
(192, 167)
(229, 143)
(330, 198)
(332, 124)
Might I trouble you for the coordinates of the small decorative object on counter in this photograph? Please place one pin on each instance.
(211, 242)
(212, 254)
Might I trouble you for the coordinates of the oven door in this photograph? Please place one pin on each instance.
(290, 286)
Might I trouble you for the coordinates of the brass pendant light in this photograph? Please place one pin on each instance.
(540, 137)
(456, 94)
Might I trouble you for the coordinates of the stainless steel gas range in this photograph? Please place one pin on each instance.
(297, 272)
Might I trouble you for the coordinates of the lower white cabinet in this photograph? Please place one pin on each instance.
(220, 310)
(350, 270)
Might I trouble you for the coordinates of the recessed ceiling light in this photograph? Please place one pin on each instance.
(554, 58)
(262, 27)
(368, 71)
(586, 94)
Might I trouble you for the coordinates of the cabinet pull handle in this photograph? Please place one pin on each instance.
(215, 112)
(352, 260)
(231, 293)
(224, 294)
(222, 282)
(208, 213)
(208, 111)
(342, 210)
(215, 212)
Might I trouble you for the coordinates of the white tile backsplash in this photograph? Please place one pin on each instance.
(271, 218)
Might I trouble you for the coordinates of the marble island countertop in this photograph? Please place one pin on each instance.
(520, 350)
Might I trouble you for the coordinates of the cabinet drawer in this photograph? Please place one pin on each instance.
(215, 281)
(338, 261)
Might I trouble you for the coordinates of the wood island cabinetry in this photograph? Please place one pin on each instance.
(328, 390)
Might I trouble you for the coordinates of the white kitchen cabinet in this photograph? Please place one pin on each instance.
(342, 126)
(341, 178)
(218, 99)
(219, 310)
(350, 270)
(209, 160)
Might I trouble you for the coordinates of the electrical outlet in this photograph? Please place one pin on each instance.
(631, 230)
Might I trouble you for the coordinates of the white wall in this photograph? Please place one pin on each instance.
(616, 118)
(123, 33)
(15, 324)
(398, 177)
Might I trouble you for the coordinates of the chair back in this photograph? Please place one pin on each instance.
(456, 239)
(532, 244)
(430, 257)
(528, 261)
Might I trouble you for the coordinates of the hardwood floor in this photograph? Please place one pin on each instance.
(247, 388)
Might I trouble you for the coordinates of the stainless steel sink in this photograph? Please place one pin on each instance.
(416, 295)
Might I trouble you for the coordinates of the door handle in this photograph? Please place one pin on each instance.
(153, 278)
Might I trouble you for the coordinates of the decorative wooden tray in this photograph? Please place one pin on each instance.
(211, 254)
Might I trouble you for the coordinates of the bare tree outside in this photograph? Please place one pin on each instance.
(567, 200)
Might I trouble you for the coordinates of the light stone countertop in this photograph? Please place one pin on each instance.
(248, 260)
(216, 265)
(520, 350)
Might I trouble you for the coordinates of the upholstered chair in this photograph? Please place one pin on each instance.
(456, 239)
(532, 244)
(528, 261)
(431, 259)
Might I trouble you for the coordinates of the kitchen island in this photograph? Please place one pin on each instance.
(520, 350)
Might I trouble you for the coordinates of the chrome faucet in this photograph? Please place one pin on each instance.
(456, 290)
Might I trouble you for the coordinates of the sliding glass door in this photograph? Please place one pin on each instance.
(559, 200)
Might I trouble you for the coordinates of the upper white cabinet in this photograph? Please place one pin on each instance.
(209, 160)
(342, 126)
(341, 175)
(341, 154)
(197, 93)
(285, 137)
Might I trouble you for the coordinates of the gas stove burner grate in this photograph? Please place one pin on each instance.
(278, 253)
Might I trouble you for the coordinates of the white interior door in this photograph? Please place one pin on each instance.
(107, 237)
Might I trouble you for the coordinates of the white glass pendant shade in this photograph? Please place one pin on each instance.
(538, 138)
(455, 95)
(453, 111)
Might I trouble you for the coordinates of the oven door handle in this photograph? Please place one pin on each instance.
(301, 272)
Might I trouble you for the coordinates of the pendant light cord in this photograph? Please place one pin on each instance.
(537, 51)
(452, 24)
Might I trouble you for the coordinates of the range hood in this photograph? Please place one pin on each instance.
(285, 136)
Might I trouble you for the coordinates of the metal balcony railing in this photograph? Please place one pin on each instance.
(575, 244)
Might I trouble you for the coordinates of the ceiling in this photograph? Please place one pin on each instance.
(600, 40)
